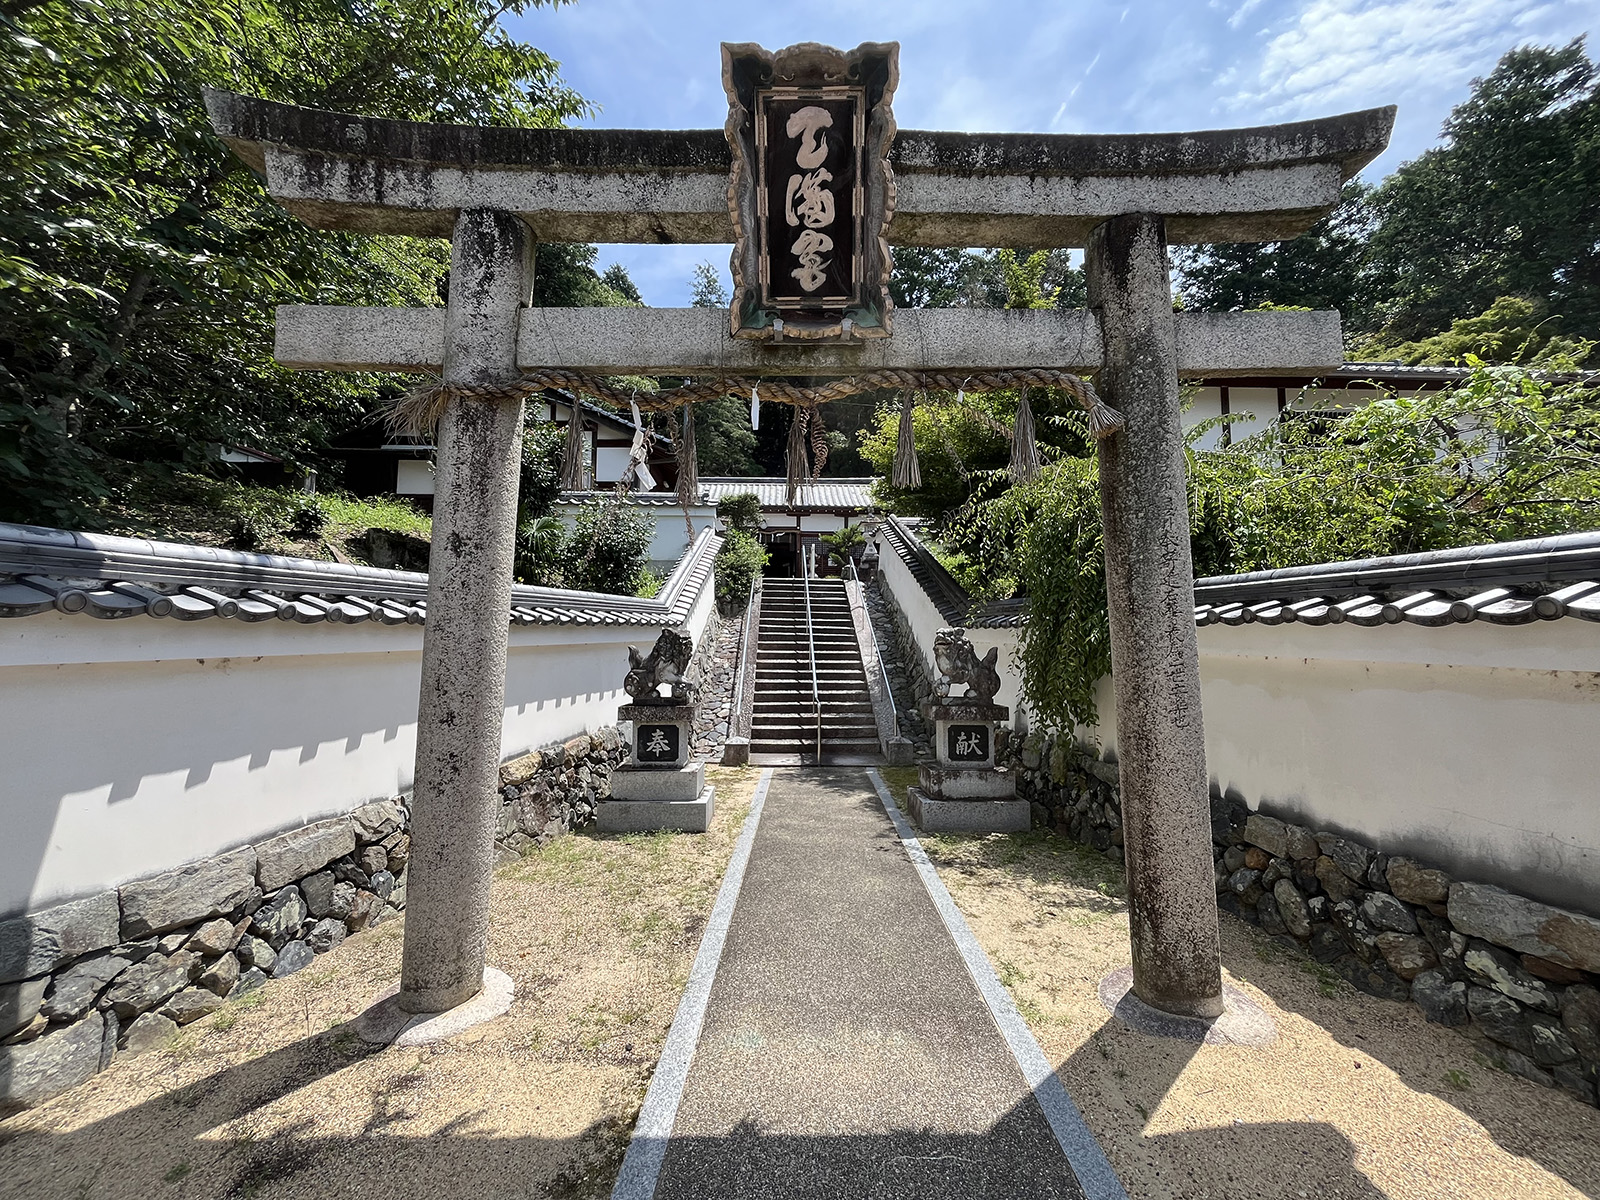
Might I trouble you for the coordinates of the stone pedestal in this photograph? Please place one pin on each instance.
(659, 788)
(963, 791)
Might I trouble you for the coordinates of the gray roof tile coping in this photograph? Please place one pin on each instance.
(107, 577)
(1505, 583)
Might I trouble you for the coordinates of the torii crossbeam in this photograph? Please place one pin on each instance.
(495, 191)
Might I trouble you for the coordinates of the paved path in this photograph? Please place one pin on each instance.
(845, 1050)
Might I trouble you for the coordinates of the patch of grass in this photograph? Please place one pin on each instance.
(1458, 1079)
(1010, 974)
(177, 1174)
(897, 780)
(224, 1021)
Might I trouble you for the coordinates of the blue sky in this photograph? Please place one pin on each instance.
(1064, 67)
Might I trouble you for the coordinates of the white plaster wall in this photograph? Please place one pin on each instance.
(1474, 747)
(133, 746)
(610, 462)
(925, 621)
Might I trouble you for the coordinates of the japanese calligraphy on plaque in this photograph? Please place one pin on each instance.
(967, 743)
(811, 191)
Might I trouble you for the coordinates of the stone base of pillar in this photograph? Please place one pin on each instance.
(935, 815)
(966, 783)
(385, 1023)
(1243, 1022)
(902, 752)
(736, 752)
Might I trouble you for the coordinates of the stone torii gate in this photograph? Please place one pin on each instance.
(495, 191)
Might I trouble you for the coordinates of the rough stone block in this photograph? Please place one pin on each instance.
(256, 952)
(1499, 916)
(33, 1072)
(639, 816)
(249, 982)
(374, 822)
(147, 985)
(686, 783)
(20, 1003)
(1292, 909)
(1407, 954)
(1442, 1001)
(736, 752)
(221, 975)
(299, 852)
(276, 920)
(1551, 1045)
(325, 935)
(1334, 881)
(293, 957)
(214, 937)
(1300, 843)
(936, 815)
(1500, 1017)
(1495, 968)
(150, 1032)
(1383, 911)
(76, 988)
(38, 943)
(1580, 1017)
(193, 893)
(190, 1005)
(1351, 857)
(1268, 833)
(1416, 884)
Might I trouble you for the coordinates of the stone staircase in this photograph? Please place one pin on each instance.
(783, 727)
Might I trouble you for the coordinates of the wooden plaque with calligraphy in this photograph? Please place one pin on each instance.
(811, 192)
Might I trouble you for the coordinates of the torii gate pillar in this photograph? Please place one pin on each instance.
(469, 616)
(1155, 664)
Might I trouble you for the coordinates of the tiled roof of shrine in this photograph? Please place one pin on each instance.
(109, 577)
(1508, 583)
(816, 495)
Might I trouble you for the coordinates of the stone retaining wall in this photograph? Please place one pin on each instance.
(1519, 976)
(118, 972)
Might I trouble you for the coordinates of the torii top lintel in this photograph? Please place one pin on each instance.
(337, 171)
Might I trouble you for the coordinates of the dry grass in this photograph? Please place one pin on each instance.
(274, 1096)
(1359, 1097)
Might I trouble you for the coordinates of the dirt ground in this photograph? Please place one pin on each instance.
(274, 1096)
(1358, 1098)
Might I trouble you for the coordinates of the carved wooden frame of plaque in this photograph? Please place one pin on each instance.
(871, 69)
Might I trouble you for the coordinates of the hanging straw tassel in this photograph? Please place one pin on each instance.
(796, 456)
(572, 457)
(1024, 444)
(819, 440)
(688, 469)
(907, 474)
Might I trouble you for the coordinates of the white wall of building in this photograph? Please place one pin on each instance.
(135, 746)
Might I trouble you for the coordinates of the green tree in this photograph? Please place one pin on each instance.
(739, 564)
(607, 549)
(724, 442)
(1322, 268)
(140, 260)
(1509, 205)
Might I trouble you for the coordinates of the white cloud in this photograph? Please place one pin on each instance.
(1243, 11)
(1338, 51)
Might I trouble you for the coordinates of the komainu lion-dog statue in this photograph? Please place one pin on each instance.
(667, 662)
(960, 665)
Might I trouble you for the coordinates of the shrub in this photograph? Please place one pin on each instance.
(843, 543)
(739, 564)
(608, 547)
(741, 511)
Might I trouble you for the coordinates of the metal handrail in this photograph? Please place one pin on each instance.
(736, 718)
(811, 645)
